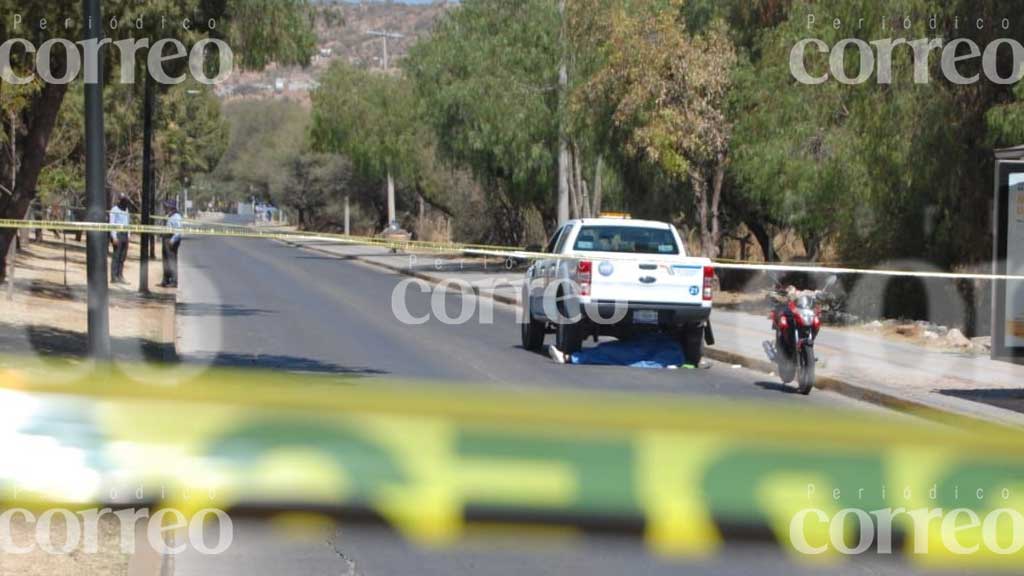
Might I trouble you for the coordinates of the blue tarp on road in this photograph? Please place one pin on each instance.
(647, 351)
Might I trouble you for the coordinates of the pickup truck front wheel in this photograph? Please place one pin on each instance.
(692, 343)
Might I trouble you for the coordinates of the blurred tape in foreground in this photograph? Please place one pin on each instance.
(435, 463)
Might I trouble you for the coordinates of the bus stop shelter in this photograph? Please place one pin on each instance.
(1008, 256)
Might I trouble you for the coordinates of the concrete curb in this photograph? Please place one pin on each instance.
(830, 383)
(873, 396)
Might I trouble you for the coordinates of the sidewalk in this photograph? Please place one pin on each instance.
(929, 382)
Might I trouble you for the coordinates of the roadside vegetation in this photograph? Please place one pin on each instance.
(678, 110)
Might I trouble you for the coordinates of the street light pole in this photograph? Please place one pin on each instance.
(384, 35)
(95, 187)
(147, 181)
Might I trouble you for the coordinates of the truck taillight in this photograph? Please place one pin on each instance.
(709, 283)
(583, 276)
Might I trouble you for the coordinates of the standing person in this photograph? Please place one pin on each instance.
(171, 242)
(119, 215)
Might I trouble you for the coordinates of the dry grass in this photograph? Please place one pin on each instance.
(46, 312)
(47, 317)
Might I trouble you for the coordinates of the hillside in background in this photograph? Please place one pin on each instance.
(342, 31)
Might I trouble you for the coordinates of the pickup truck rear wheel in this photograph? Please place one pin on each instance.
(692, 342)
(569, 337)
(532, 332)
(568, 334)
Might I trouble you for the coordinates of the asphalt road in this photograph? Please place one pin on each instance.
(265, 304)
(260, 303)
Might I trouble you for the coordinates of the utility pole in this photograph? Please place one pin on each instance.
(12, 247)
(96, 191)
(147, 181)
(14, 150)
(347, 220)
(563, 145)
(384, 35)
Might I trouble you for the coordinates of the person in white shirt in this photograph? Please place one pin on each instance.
(121, 216)
(171, 244)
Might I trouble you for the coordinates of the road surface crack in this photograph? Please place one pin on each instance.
(351, 568)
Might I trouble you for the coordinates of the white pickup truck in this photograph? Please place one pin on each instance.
(616, 276)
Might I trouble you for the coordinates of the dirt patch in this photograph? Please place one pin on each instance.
(44, 315)
(753, 302)
(106, 559)
(45, 312)
(924, 334)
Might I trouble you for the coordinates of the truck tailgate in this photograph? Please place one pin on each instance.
(647, 279)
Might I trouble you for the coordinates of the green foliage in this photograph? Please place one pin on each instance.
(487, 79)
(881, 168)
(371, 119)
(192, 134)
(264, 31)
(1005, 122)
(315, 181)
(666, 88)
(265, 137)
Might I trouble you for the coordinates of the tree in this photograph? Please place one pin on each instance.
(314, 182)
(667, 90)
(872, 168)
(265, 136)
(372, 120)
(368, 117)
(192, 134)
(487, 79)
(259, 31)
(1005, 121)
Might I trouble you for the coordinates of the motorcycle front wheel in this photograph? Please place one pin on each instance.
(806, 376)
(785, 362)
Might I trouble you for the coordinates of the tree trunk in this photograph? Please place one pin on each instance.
(700, 196)
(583, 198)
(812, 247)
(598, 185)
(14, 151)
(574, 203)
(563, 144)
(587, 211)
(716, 200)
(43, 115)
(763, 237)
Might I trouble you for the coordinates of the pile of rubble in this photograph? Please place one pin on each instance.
(934, 334)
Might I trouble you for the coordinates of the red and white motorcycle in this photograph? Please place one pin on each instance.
(796, 320)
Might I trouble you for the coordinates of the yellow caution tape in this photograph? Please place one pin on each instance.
(432, 462)
(219, 230)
